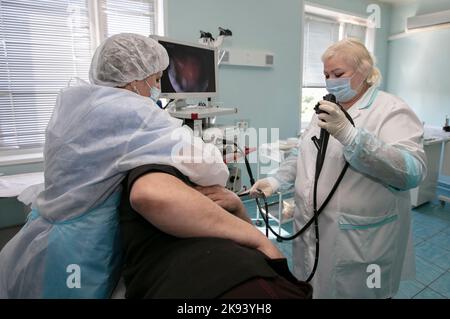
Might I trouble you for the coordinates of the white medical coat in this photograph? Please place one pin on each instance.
(365, 230)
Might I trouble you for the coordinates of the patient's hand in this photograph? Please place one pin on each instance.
(225, 199)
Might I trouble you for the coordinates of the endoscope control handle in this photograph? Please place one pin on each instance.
(322, 142)
(330, 98)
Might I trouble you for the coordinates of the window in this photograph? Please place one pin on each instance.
(322, 28)
(45, 43)
(117, 15)
(319, 35)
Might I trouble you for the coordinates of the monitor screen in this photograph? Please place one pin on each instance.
(192, 70)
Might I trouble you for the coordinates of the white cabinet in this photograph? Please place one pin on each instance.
(426, 191)
(446, 159)
(445, 169)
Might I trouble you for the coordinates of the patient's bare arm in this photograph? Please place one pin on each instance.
(179, 210)
(225, 199)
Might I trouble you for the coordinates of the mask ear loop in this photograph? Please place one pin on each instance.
(149, 86)
(136, 90)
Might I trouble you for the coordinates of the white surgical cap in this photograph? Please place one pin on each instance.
(126, 57)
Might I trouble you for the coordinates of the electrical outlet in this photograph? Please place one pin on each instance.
(242, 124)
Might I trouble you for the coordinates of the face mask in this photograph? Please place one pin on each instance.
(341, 88)
(154, 92)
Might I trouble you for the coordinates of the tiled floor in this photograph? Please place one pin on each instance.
(431, 233)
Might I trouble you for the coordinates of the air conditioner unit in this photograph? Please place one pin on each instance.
(428, 20)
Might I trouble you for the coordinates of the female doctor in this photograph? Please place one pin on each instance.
(365, 238)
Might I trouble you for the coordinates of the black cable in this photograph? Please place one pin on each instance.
(319, 211)
(330, 195)
(324, 135)
(247, 164)
(165, 106)
(321, 145)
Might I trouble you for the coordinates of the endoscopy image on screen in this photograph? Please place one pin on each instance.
(190, 69)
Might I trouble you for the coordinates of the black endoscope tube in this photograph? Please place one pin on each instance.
(247, 164)
(321, 145)
(319, 211)
(252, 181)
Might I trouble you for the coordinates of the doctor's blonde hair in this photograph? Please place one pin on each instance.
(355, 53)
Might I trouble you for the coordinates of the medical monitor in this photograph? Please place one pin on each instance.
(192, 70)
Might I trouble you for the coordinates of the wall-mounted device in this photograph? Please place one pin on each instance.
(206, 38)
(428, 20)
(253, 58)
(446, 126)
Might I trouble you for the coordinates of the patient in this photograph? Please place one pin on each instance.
(180, 242)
